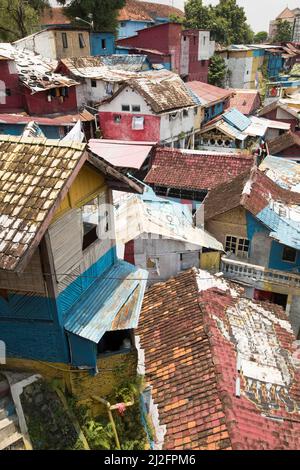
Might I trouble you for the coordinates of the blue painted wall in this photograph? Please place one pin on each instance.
(129, 28)
(276, 261)
(275, 65)
(213, 111)
(83, 351)
(32, 326)
(51, 132)
(97, 46)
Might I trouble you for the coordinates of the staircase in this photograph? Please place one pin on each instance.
(10, 436)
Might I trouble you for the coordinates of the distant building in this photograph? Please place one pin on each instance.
(189, 50)
(137, 15)
(286, 15)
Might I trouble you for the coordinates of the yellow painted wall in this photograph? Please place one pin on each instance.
(230, 223)
(113, 371)
(87, 185)
(73, 49)
(210, 261)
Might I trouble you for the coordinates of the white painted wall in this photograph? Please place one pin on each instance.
(240, 71)
(206, 47)
(127, 97)
(93, 95)
(171, 128)
(168, 254)
(184, 59)
(42, 43)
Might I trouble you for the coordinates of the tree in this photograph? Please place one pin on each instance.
(18, 18)
(105, 12)
(217, 71)
(284, 32)
(260, 37)
(227, 21)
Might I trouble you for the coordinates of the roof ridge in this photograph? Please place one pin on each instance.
(42, 141)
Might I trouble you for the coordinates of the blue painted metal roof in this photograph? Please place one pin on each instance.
(283, 228)
(237, 119)
(112, 302)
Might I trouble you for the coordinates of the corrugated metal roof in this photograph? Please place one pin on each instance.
(104, 307)
(283, 221)
(229, 130)
(150, 214)
(286, 173)
(237, 119)
(35, 72)
(122, 154)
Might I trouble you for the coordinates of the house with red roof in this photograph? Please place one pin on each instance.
(221, 370)
(246, 101)
(189, 50)
(188, 175)
(256, 217)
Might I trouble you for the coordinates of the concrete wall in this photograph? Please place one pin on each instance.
(170, 129)
(231, 223)
(9, 80)
(38, 104)
(41, 43)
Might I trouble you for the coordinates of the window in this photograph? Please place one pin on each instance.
(138, 123)
(289, 254)
(136, 108)
(125, 107)
(93, 83)
(204, 40)
(64, 40)
(8, 91)
(103, 43)
(185, 113)
(237, 246)
(81, 41)
(117, 118)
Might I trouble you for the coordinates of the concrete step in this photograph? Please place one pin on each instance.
(13, 442)
(7, 407)
(8, 426)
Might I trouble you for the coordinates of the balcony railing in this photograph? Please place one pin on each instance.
(251, 273)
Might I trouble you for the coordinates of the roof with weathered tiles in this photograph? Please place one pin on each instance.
(33, 174)
(147, 11)
(201, 338)
(34, 71)
(54, 16)
(209, 94)
(283, 142)
(195, 170)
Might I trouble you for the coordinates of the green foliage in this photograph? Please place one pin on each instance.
(284, 32)
(18, 18)
(105, 12)
(260, 37)
(227, 21)
(217, 71)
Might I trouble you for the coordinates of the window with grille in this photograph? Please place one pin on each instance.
(289, 254)
(237, 246)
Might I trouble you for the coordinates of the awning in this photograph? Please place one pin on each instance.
(122, 154)
(113, 302)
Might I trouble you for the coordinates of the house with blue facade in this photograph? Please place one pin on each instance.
(137, 15)
(102, 43)
(258, 221)
(65, 298)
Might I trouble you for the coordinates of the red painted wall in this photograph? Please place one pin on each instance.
(38, 103)
(129, 252)
(273, 115)
(15, 102)
(124, 131)
(198, 69)
(164, 38)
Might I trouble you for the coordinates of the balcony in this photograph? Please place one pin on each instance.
(253, 275)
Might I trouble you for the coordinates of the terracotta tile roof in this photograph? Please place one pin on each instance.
(198, 171)
(246, 101)
(283, 142)
(147, 11)
(286, 13)
(193, 342)
(54, 16)
(34, 173)
(253, 190)
(209, 94)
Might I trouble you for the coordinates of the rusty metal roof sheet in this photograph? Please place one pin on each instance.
(104, 307)
(34, 71)
(110, 70)
(34, 176)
